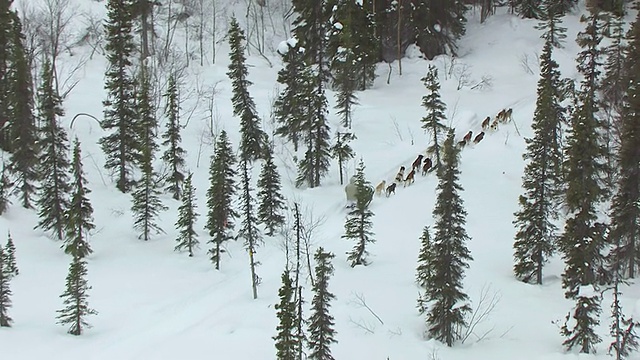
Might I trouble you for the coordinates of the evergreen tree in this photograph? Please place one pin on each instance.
(122, 148)
(53, 161)
(6, 26)
(359, 220)
(321, 325)
(174, 155)
(290, 107)
(542, 181)
(449, 253)
(5, 292)
(286, 341)
(249, 225)
(528, 9)
(622, 330)
(299, 334)
(10, 263)
(310, 27)
(253, 139)
(438, 25)
(5, 186)
(625, 207)
(146, 205)
(23, 131)
(221, 190)
(270, 199)
(76, 307)
(187, 216)
(433, 122)
(80, 212)
(550, 24)
(425, 269)
(342, 151)
(582, 242)
(315, 164)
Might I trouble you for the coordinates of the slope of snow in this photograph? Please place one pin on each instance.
(154, 303)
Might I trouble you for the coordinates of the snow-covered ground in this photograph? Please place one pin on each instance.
(154, 303)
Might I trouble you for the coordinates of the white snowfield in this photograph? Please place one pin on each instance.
(154, 303)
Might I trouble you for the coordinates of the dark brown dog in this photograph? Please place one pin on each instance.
(467, 137)
(391, 189)
(416, 164)
(479, 138)
(426, 166)
(410, 178)
(486, 122)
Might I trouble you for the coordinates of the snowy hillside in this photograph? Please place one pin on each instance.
(155, 303)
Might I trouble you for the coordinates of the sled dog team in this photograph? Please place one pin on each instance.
(504, 116)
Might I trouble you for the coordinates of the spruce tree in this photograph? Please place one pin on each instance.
(342, 151)
(310, 27)
(542, 181)
(23, 130)
(321, 323)
(5, 292)
(174, 154)
(249, 225)
(290, 107)
(286, 311)
(80, 212)
(270, 200)
(622, 329)
(5, 186)
(253, 139)
(222, 188)
(449, 254)
(551, 26)
(10, 262)
(54, 164)
(625, 207)
(315, 164)
(528, 9)
(438, 25)
(433, 122)
(6, 18)
(299, 333)
(122, 147)
(146, 202)
(76, 307)
(359, 223)
(187, 217)
(425, 269)
(582, 242)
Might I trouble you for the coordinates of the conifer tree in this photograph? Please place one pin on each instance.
(290, 107)
(146, 204)
(342, 151)
(253, 139)
(54, 164)
(187, 216)
(433, 122)
(583, 240)
(315, 164)
(76, 307)
(310, 27)
(80, 212)
(299, 334)
(23, 131)
(438, 25)
(286, 341)
(5, 186)
(321, 323)
(625, 207)
(270, 199)
(222, 188)
(551, 26)
(449, 253)
(542, 181)
(174, 154)
(425, 269)
(122, 148)
(249, 225)
(359, 220)
(5, 292)
(6, 17)
(622, 330)
(528, 9)
(10, 262)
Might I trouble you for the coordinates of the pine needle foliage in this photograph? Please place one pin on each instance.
(80, 212)
(187, 217)
(76, 307)
(358, 225)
